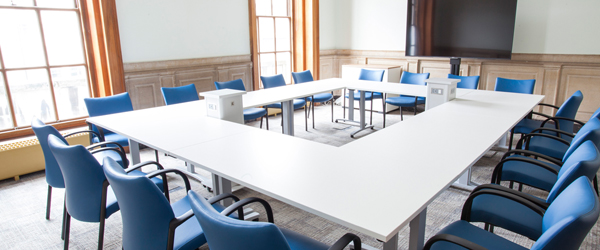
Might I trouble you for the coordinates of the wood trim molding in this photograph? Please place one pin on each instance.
(185, 63)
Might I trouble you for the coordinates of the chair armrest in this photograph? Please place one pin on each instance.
(452, 239)
(531, 153)
(549, 105)
(121, 153)
(541, 114)
(538, 202)
(497, 173)
(163, 172)
(221, 197)
(174, 223)
(239, 206)
(345, 240)
(557, 131)
(526, 138)
(104, 143)
(142, 164)
(81, 132)
(466, 211)
(556, 119)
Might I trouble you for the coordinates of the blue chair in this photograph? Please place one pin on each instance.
(515, 86)
(54, 176)
(375, 75)
(105, 106)
(278, 81)
(405, 100)
(225, 233)
(251, 113)
(564, 118)
(306, 76)
(563, 225)
(515, 166)
(180, 94)
(585, 161)
(87, 196)
(555, 142)
(466, 82)
(150, 220)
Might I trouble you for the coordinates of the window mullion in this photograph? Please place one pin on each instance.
(7, 90)
(45, 49)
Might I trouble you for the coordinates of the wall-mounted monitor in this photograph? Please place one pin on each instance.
(460, 28)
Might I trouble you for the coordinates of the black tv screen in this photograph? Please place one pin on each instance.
(460, 28)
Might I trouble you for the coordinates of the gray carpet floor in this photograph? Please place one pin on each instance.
(23, 202)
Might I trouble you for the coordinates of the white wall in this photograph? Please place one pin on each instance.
(557, 27)
(327, 24)
(542, 26)
(366, 25)
(158, 30)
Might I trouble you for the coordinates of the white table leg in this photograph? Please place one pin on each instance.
(350, 104)
(134, 151)
(287, 115)
(417, 231)
(361, 109)
(464, 182)
(391, 244)
(221, 186)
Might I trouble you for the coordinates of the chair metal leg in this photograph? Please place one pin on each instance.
(401, 117)
(261, 119)
(282, 117)
(48, 202)
(156, 155)
(64, 222)
(511, 184)
(267, 119)
(67, 230)
(101, 234)
(520, 187)
(596, 185)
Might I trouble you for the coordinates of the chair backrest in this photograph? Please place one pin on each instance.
(145, 211)
(570, 217)
(304, 76)
(590, 131)
(236, 84)
(54, 176)
(375, 75)
(84, 179)
(596, 114)
(414, 78)
(466, 82)
(272, 81)
(108, 105)
(584, 161)
(568, 110)
(180, 94)
(223, 233)
(515, 86)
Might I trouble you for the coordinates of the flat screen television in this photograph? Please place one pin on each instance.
(460, 28)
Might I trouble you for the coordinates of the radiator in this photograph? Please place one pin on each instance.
(25, 156)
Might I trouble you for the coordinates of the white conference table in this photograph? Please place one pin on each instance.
(376, 185)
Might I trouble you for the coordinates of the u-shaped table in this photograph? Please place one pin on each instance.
(375, 185)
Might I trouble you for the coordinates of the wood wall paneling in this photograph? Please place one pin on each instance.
(586, 79)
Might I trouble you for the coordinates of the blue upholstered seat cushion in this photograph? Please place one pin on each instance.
(189, 235)
(368, 95)
(298, 103)
(529, 174)
(156, 180)
(299, 241)
(548, 146)
(525, 126)
(507, 214)
(322, 97)
(474, 234)
(110, 154)
(253, 113)
(404, 101)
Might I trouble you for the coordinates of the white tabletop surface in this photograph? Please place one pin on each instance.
(375, 185)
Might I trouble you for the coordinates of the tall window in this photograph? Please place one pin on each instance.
(43, 66)
(274, 38)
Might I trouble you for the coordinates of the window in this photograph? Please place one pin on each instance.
(43, 66)
(274, 38)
